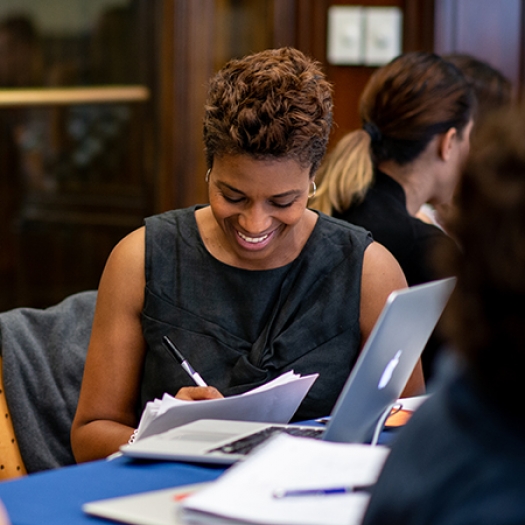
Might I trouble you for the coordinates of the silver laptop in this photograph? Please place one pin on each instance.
(156, 507)
(372, 389)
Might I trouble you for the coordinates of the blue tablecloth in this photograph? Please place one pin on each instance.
(56, 496)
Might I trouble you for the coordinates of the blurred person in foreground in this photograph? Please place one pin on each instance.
(461, 458)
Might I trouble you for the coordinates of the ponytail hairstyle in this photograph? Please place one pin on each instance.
(405, 104)
(345, 174)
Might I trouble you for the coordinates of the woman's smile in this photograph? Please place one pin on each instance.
(255, 242)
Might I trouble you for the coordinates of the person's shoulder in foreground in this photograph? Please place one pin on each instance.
(461, 459)
(458, 461)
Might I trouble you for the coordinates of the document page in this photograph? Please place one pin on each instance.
(247, 491)
(273, 402)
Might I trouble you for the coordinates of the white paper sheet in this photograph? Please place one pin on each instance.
(412, 403)
(274, 402)
(245, 492)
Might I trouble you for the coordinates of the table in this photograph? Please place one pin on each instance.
(56, 496)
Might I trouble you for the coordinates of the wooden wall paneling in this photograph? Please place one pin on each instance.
(243, 27)
(199, 60)
(222, 27)
(187, 52)
(253, 26)
(418, 33)
(148, 32)
(165, 188)
(311, 18)
(348, 86)
(284, 23)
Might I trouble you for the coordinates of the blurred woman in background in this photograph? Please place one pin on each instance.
(417, 113)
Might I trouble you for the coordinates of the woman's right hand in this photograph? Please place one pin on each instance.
(198, 393)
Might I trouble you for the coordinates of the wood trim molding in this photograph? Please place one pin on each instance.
(418, 30)
(186, 64)
(73, 95)
(284, 23)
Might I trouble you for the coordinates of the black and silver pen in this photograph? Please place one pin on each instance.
(183, 361)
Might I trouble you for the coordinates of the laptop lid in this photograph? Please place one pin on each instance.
(387, 360)
(157, 507)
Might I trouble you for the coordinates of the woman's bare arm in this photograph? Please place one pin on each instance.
(382, 275)
(105, 417)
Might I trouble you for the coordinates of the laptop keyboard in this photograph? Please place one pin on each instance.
(246, 444)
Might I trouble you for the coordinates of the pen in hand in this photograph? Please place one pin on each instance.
(326, 491)
(183, 362)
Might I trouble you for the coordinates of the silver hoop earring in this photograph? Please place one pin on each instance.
(311, 195)
(207, 176)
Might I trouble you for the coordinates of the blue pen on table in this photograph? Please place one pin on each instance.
(321, 491)
(183, 361)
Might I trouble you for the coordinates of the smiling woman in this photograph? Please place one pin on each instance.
(251, 286)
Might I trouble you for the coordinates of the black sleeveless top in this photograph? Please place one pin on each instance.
(241, 328)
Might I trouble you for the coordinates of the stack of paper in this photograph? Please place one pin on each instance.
(273, 402)
(247, 492)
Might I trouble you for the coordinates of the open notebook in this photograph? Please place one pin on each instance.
(373, 387)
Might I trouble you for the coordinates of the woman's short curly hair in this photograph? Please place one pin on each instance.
(272, 104)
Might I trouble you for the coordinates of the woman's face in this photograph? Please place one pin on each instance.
(260, 208)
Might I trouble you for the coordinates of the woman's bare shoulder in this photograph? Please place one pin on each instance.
(381, 268)
(124, 273)
(381, 276)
